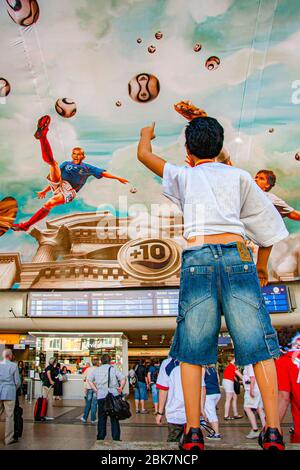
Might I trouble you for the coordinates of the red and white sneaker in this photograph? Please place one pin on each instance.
(271, 439)
(42, 126)
(192, 441)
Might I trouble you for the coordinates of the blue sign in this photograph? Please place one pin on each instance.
(276, 298)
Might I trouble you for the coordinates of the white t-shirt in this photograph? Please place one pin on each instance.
(248, 373)
(283, 208)
(217, 198)
(169, 378)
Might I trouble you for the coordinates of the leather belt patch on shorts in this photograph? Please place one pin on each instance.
(243, 252)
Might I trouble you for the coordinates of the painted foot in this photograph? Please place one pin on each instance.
(42, 126)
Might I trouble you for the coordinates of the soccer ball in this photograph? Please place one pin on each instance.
(271, 130)
(143, 88)
(197, 47)
(158, 35)
(23, 12)
(65, 107)
(151, 49)
(4, 87)
(118, 103)
(139, 40)
(133, 190)
(297, 156)
(212, 63)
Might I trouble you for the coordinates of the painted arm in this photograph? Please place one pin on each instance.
(295, 215)
(262, 264)
(113, 177)
(42, 194)
(150, 160)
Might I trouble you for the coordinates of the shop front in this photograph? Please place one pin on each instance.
(76, 351)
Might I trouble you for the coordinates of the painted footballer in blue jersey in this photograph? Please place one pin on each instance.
(64, 180)
(77, 175)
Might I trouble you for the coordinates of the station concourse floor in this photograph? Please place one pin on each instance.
(67, 432)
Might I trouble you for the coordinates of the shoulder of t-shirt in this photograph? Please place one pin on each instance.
(165, 362)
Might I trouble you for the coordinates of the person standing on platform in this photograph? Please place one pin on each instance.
(103, 380)
(91, 395)
(141, 387)
(252, 401)
(48, 386)
(213, 395)
(9, 384)
(229, 376)
(153, 372)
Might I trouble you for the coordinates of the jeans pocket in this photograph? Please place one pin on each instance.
(244, 284)
(195, 287)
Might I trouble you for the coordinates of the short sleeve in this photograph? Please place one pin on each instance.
(174, 183)
(120, 376)
(91, 377)
(283, 377)
(261, 220)
(63, 165)
(95, 171)
(282, 206)
(251, 371)
(163, 379)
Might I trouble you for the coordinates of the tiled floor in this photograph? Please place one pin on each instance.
(68, 432)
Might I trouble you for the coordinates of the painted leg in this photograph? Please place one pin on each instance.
(40, 214)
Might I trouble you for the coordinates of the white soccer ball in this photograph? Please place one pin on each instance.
(65, 107)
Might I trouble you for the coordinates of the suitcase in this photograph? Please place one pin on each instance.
(18, 421)
(40, 409)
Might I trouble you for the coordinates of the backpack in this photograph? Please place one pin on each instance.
(133, 379)
(154, 375)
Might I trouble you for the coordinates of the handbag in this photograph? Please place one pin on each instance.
(116, 406)
(236, 386)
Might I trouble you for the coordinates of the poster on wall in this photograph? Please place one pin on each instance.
(79, 79)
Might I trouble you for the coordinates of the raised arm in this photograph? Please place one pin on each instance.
(150, 160)
(42, 194)
(113, 177)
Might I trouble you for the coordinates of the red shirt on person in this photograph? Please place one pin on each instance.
(229, 372)
(288, 374)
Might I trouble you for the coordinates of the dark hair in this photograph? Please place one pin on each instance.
(21, 362)
(285, 335)
(142, 361)
(271, 178)
(105, 359)
(204, 137)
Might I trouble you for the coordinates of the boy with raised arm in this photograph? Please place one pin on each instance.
(221, 205)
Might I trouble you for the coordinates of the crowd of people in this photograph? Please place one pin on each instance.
(162, 380)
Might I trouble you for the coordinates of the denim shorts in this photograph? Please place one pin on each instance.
(140, 391)
(214, 279)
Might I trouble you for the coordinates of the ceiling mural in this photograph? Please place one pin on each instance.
(80, 78)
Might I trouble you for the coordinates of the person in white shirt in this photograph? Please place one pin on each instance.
(252, 400)
(266, 180)
(222, 206)
(170, 398)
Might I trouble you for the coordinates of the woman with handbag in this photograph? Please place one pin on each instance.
(231, 384)
(107, 381)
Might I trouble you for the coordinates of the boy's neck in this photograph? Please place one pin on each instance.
(203, 160)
